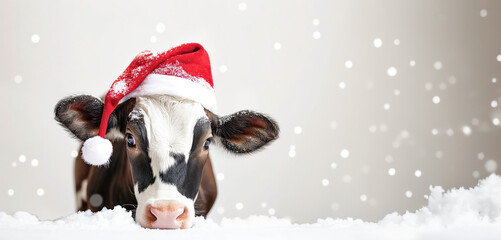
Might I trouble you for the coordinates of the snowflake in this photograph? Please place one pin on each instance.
(119, 87)
(136, 71)
(177, 70)
(143, 54)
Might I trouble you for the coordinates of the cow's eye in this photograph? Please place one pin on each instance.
(207, 143)
(131, 142)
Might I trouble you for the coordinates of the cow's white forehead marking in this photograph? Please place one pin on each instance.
(135, 115)
(169, 123)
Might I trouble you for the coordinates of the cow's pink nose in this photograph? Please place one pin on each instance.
(166, 215)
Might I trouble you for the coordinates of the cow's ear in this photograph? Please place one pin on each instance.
(244, 131)
(80, 115)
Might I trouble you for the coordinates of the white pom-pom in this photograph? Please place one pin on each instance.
(97, 151)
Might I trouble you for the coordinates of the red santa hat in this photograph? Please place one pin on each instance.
(183, 71)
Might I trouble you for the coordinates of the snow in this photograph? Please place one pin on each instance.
(298, 130)
(466, 130)
(491, 165)
(436, 99)
(135, 115)
(483, 13)
(292, 151)
(223, 68)
(160, 27)
(473, 213)
(347, 178)
(220, 176)
(392, 71)
(348, 64)
(408, 193)
(40, 192)
(316, 22)
(18, 79)
(277, 46)
(325, 182)
(22, 158)
(119, 87)
(177, 70)
(344, 153)
(316, 35)
(242, 6)
(35, 38)
(437, 65)
(34, 162)
(495, 121)
(153, 39)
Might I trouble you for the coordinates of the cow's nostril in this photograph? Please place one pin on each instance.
(150, 215)
(162, 213)
(183, 215)
(166, 215)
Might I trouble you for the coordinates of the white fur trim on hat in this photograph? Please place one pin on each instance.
(97, 151)
(176, 86)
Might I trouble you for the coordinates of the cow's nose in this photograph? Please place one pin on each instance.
(166, 215)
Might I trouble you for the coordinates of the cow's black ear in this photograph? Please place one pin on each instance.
(244, 131)
(80, 115)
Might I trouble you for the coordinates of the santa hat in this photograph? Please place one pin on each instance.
(183, 71)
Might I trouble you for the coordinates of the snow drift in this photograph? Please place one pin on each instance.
(457, 214)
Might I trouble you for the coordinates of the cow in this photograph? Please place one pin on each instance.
(160, 167)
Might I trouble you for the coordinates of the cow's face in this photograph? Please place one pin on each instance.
(167, 142)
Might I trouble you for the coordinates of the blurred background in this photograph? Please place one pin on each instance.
(377, 100)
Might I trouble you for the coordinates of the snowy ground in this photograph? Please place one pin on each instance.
(456, 214)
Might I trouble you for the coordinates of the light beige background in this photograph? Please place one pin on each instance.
(284, 58)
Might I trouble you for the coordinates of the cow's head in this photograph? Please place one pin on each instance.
(167, 143)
